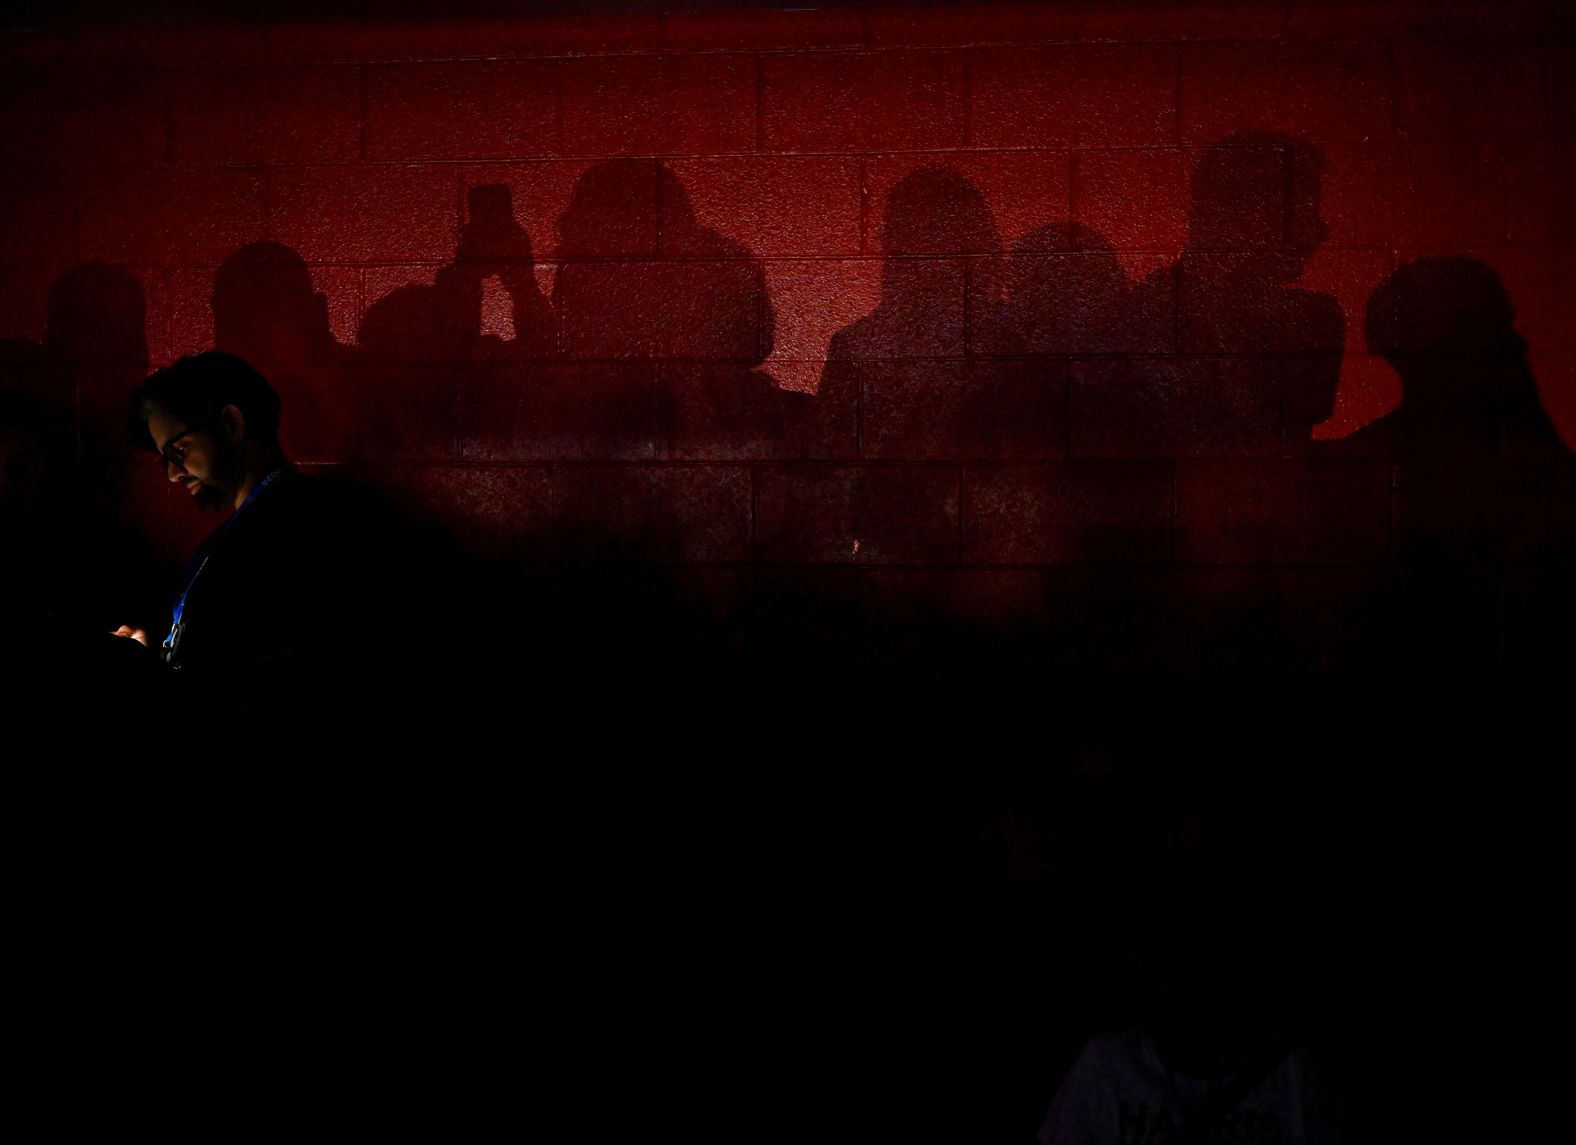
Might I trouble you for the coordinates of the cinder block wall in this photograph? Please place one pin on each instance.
(777, 138)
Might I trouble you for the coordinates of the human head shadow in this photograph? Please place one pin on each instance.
(98, 318)
(641, 277)
(1447, 327)
(917, 368)
(94, 351)
(1254, 227)
(1066, 291)
(96, 337)
(940, 246)
(1485, 489)
(1065, 312)
(267, 310)
(1257, 358)
(664, 324)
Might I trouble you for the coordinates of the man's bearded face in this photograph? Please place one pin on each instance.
(199, 459)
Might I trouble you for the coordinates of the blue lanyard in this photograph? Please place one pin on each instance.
(200, 560)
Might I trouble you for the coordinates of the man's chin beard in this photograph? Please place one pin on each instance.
(210, 499)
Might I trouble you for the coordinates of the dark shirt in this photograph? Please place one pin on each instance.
(285, 597)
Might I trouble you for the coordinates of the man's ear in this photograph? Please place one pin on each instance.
(232, 423)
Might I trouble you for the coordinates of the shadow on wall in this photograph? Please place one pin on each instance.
(1031, 410)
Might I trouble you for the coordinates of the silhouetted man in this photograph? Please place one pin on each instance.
(282, 922)
(281, 599)
(1258, 358)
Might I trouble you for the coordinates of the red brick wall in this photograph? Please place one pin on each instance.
(1445, 129)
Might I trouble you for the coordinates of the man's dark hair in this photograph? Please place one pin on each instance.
(197, 388)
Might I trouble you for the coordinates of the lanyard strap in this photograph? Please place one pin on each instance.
(200, 560)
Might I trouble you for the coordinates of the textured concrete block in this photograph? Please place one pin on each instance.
(37, 218)
(1283, 512)
(754, 31)
(166, 215)
(406, 413)
(1070, 512)
(1175, 407)
(1118, 95)
(812, 301)
(652, 512)
(1323, 91)
(722, 413)
(1541, 173)
(267, 115)
(983, 409)
(838, 101)
(366, 214)
(55, 108)
(562, 411)
(680, 309)
(778, 205)
(1541, 283)
(1415, 194)
(659, 105)
(189, 328)
(1080, 303)
(462, 110)
(1075, 21)
(1471, 87)
(611, 214)
(857, 515)
(495, 512)
(565, 33)
(1135, 200)
(1369, 389)
(24, 298)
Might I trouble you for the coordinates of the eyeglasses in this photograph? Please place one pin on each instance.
(174, 454)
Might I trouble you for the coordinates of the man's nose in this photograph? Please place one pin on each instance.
(173, 470)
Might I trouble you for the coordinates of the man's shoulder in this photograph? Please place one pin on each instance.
(327, 496)
(298, 520)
